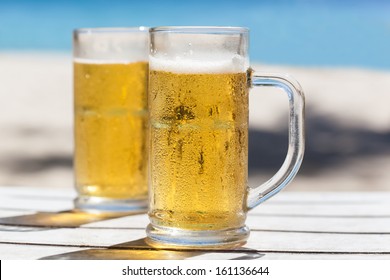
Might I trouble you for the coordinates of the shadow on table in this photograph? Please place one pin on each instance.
(132, 250)
(41, 221)
(141, 250)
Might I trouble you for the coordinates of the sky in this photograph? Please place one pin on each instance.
(317, 32)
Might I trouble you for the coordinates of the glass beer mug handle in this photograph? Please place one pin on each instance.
(296, 142)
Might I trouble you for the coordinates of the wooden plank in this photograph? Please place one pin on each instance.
(285, 203)
(64, 219)
(69, 236)
(39, 199)
(328, 210)
(31, 192)
(274, 241)
(319, 243)
(38, 204)
(374, 224)
(320, 225)
(32, 252)
(255, 222)
(139, 221)
(15, 213)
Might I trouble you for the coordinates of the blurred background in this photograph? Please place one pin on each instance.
(338, 50)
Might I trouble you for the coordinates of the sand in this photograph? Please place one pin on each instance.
(347, 120)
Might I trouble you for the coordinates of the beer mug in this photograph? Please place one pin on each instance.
(198, 108)
(111, 118)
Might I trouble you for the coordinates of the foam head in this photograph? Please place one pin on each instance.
(199, 50)
(111, 45)
(206, 63)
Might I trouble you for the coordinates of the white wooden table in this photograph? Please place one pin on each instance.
(37, 223)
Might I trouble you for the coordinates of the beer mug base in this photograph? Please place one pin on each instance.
(95, 204)
(166, 237)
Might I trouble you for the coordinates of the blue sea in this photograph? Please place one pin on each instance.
(351, 33)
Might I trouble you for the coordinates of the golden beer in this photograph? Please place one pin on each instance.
(111, 129)
(199, 80)
(199, 143)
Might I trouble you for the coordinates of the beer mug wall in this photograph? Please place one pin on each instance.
(168, 132)
(199, 82)
(110, 116)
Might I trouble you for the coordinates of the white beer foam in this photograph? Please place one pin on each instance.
(106, 61)
(208, 64)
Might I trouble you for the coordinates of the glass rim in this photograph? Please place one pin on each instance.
(97, 30)
(200, 29)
